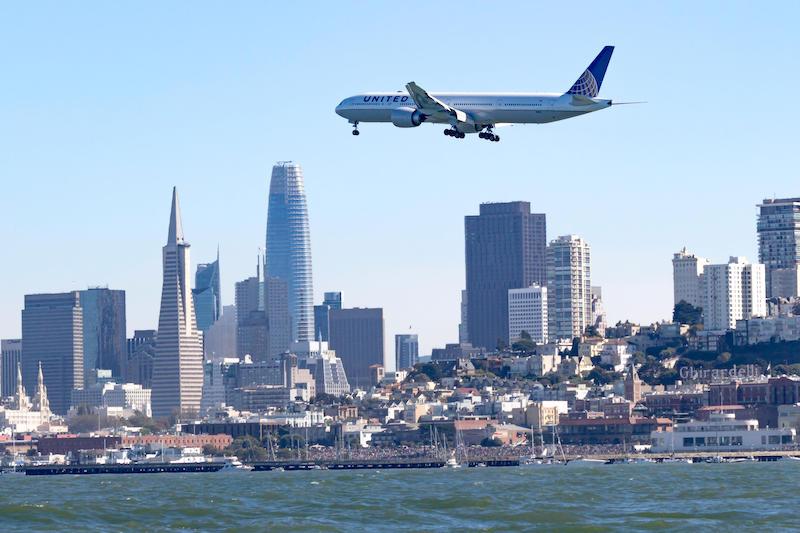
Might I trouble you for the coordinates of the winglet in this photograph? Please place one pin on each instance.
(592, 78)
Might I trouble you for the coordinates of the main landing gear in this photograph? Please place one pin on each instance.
(455, 133)
(489, 136)
(355, 128)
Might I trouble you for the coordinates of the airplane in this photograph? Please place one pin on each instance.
(479, 112)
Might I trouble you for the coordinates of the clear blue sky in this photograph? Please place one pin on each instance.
(105, 106)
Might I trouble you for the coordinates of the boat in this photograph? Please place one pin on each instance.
(452, 462)
(791, 457)
(233, 464)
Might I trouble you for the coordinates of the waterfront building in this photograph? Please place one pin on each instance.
(219, 341)
(178, 365)
(104, 330)
(732, 292)
(687, 271)
(288, 251)
(778, 229)
(207, 295)
(357, 338)
(505, 249)
(10, 359)
(141, 354)
(52, 334)
(332, 300)
(569, 287)
(527, 311)
(721, 433)
(406, 350)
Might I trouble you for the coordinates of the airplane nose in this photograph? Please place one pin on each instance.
(340, 109)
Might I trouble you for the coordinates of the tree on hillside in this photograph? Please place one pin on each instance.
(686, 313)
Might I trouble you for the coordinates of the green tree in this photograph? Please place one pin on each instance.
(686, 313)
(247, 449)
(524, 345)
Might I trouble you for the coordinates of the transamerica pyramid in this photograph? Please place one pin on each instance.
(178, 364)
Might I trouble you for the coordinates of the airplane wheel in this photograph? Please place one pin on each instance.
(496, 138)
(482, 135)
(447, 133)
(356, 132)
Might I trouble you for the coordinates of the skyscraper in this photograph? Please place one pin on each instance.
(406, 350)
(505, 249)
(251, 319)
(333, 300)
(52, 334)
(207, 295)
(220, 339)
(569, 287)
(289, 246)
(357, 338)
(279, 324)
(779, 245)
(178, 365)
(104, 333)
(11, 357)
(687, 270)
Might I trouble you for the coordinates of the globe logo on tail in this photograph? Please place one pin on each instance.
(586, 85)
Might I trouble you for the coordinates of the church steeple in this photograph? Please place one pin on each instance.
(40, 402)
(22, 400)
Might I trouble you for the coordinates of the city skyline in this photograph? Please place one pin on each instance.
(146, 118)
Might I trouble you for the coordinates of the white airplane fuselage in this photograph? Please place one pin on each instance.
(483, 109)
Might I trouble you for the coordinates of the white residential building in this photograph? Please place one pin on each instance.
(527, 311)
(686, 272)
(732, 292)
(569, 288)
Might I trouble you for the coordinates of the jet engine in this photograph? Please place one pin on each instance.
(407, 117)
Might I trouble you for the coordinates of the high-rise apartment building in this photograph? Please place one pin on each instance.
(207, 294)
(505, 249)
(178, 365)
(10, 358)
(732, 292)
(357, 338)
(527, 311)
(569, 287)
(104, 332)
(52, 335)
(406, 351)
(288, 255)
(778, 229)
(687, 270)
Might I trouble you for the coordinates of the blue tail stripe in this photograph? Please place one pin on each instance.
(592, 78)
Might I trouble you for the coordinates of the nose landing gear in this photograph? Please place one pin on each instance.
(488, 135)
(355, 128)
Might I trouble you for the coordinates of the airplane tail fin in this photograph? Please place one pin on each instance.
(592, 78)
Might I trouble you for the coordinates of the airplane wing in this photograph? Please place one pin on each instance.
(430, 105)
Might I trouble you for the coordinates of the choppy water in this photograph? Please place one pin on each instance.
(757, 496)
